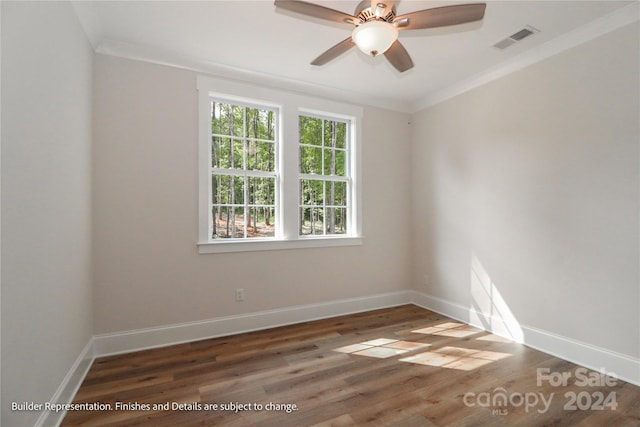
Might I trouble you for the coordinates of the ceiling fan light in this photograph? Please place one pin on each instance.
(374, 37)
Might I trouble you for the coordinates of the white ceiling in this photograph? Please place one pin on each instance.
(251, 40)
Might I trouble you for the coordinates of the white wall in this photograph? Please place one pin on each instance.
(46, 217)
(148, 272)
(526, 191)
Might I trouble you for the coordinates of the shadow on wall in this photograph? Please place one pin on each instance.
(488, 308)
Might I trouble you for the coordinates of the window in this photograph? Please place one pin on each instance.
(324, 176)
(277, 170)
(243, 170)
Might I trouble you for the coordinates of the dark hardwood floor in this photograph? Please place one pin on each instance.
(403, 366)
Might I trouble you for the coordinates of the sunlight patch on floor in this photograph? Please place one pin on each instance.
(465, 359)
(449, 329)
(381, 348)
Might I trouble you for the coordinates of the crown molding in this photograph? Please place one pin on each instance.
(617, 19)
(599, 27)
(176, 60)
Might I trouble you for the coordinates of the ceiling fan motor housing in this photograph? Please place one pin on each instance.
(365, 13)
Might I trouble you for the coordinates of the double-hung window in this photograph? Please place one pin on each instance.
(276, 170)
(324, 175)
(243, 170)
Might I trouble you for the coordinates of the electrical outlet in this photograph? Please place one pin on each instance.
(239, 294)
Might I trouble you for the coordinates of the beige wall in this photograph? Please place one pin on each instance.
(529, 184)
(529, 187)
(147, 269)
(46, 217)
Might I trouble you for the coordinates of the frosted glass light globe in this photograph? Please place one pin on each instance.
(374, 37)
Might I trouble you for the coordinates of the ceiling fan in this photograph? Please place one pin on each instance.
(377, 25)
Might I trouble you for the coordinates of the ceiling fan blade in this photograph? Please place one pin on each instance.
(317, 11)
(334, 52)
(399, 57)
(440, 16)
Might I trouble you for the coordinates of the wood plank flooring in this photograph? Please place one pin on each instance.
(402, 366)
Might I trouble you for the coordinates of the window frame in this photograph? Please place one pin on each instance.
(245, 173)
(328, 178)
(289, 106)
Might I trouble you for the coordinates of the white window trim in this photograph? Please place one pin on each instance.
(290, 106)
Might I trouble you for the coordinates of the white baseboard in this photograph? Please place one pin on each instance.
(69, 386)
(439, 305)
(141, 339)
(625, 367)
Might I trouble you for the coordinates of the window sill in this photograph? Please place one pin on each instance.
(274, 245)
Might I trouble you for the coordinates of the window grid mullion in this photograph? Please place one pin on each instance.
(316, 146)
(324, 206)
(240, 172)
(244, 167)
(322, 145)
(316, 177)
(248, 138)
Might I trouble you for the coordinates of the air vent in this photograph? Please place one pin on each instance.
(516, 37)
(503, 44)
